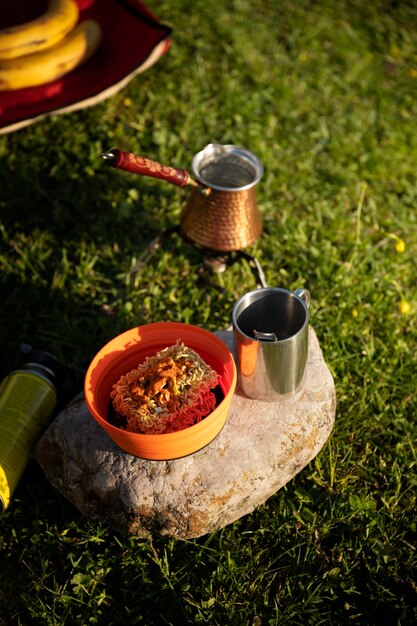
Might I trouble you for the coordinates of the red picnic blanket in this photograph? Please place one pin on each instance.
(133, 40)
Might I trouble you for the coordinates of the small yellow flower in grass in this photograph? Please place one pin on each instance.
(127, 102)
(405, 307)
(412, 72)
(399, 243)
(400, 246)
(355, 312)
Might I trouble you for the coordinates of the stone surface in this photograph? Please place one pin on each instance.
(262, 446)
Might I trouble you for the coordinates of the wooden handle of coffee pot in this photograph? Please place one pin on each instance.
(141, 165)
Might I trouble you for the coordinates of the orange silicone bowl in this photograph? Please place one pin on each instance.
(125, 352)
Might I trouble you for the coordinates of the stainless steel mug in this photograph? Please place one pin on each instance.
(270, 327)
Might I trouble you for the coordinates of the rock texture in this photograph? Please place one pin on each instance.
(262, 446)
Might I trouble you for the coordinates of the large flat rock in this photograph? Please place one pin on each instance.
(262, 446)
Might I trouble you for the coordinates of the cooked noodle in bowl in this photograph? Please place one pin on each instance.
(163, 390)
(167, 392)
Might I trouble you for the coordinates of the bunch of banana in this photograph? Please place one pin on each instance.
(46, 48)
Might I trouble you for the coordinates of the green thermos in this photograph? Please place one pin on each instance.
(29, 397)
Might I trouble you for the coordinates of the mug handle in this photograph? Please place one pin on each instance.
(304, 294)
(260, 336)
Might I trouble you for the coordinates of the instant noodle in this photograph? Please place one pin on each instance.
(167, 392)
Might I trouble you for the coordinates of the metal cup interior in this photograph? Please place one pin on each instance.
(227, 168)
(270, 310)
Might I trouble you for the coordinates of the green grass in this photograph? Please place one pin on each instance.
(326, 95)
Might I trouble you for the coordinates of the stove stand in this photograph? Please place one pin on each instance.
(213, 261)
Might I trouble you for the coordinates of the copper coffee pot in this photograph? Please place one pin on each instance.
(221, 213)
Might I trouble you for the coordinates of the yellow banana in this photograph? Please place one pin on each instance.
(49, 65)
(41, 33)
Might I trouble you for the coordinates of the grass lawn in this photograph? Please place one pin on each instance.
(325, 93)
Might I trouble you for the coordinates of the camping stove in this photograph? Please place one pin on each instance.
(213, 261)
